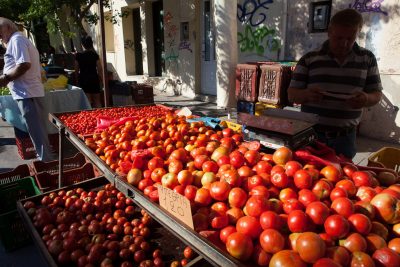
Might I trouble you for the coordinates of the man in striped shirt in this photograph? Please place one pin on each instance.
(337, 82)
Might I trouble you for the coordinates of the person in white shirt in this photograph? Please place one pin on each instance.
(22, 75)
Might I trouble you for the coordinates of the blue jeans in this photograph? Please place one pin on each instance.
(32, 110)
(344, 144)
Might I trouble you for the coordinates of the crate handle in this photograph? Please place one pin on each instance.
(130, 193)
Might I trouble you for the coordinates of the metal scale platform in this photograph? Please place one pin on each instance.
(278, 127)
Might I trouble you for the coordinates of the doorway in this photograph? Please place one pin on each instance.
(137, 42)
(158, 31)
(208, 61)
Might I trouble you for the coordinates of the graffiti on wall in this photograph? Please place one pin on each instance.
(252, 11)
(259, 40)
(368, 6)
(171, 30)
(185, 45)
(129, 44)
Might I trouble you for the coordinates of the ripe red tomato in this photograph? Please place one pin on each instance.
(250, 226)
(362, 178)
(259, 190)
(270, 220)
(210, 166)
(360, 223)
(154, 163)
(237, 197)
(310, 247)
(279, 179)
(190, 192)
(291, 205)
(236, 159)
(272, 241)
(291, 167)
(302, 179)
(220, 190)
(199, 161)
(282, 155)
(331, 173)
(263, 167)
(226, 232)
(336, 226)
(360, 258)
(239, 246)
(339, 254)
(203, 197)
(252, 157)
(306, 197)
(157, 174)
(298, 221)
(256, 205)
(318, 212)
(343, 206)
(287, 193)
(354, 242)
(185, 177)
(287, 258)
(348, 186)
(322, 189)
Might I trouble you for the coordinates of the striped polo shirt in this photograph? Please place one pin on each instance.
(359, 72)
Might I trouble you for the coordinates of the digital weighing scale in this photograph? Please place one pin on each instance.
(278, 127)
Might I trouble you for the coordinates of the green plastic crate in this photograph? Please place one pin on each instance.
(10, 193)
(12, 230)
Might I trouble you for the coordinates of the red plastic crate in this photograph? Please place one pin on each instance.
(51, 167)
(274, 82)
(47, 181)
(247, 79)
(25, 147)
(18, 173)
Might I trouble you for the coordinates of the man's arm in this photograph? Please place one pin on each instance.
(15, 73)
(363, 99)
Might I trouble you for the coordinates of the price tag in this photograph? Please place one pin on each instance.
(176, 204)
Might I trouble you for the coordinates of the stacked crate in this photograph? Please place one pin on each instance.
(75, 170)
(247, 79)
(143, 93)
(262, 85)
(14, 185)
(25, 147)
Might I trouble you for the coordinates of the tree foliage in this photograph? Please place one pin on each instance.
(28, 11)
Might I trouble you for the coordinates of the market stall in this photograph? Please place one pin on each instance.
(233, 200)
(61, 100)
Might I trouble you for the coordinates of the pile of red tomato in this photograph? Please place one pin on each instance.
(96, 228)
(85, 122)
(264, 209)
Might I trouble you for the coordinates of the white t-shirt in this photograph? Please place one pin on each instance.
(20, 50)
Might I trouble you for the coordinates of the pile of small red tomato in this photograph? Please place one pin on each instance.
(264, 209)
(95, 228)
(85, 122)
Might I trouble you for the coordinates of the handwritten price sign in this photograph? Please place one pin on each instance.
(176, 204)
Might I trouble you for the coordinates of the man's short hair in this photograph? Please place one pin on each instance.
(347, 17)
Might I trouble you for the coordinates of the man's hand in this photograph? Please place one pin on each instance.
(3, 81)
(359, 100)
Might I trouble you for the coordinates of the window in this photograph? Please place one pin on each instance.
(320, 13)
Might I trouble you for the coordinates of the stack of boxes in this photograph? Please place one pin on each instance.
(261, 85)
